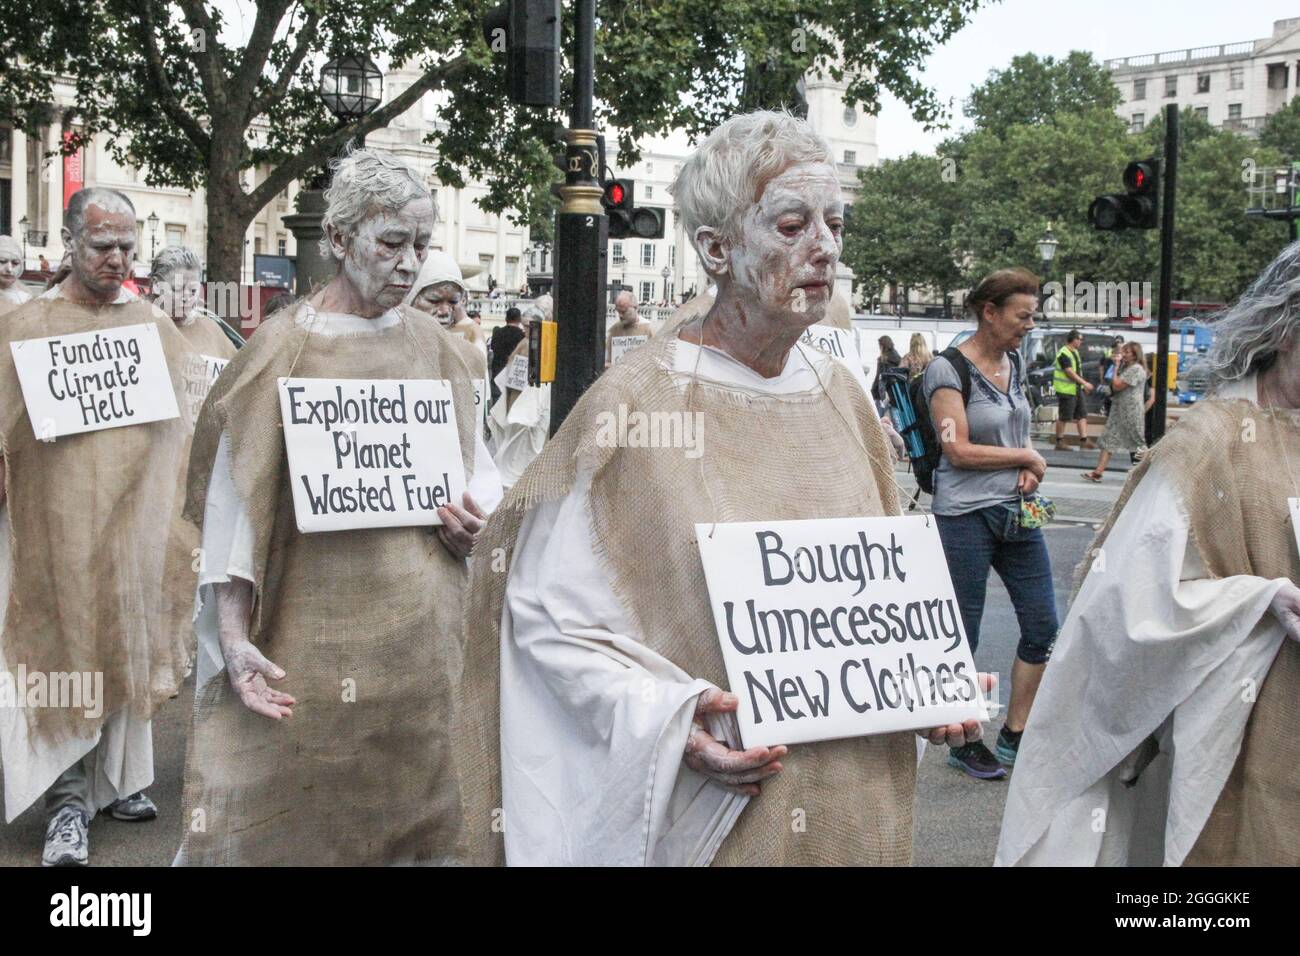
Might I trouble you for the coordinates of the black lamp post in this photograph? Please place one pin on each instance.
(24, 225)
(350, 87)
(153, 235)
(1047, 252)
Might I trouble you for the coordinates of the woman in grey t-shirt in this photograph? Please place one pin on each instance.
(988, 464)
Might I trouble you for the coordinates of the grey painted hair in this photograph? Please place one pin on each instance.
(729, 171)
(172, 258)
(1249, 334)
(363, 180)
(10, 248)
(74, 217)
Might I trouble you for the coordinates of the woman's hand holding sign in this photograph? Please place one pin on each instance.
(460, 526)
(967, 732)
(739, 771)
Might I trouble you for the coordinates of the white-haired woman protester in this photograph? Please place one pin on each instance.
(1164, 732)
(12, 293)
(176, 287)
(326, 659)
(614, 742)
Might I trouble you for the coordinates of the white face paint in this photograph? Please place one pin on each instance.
(443, 300)
(11, 267)
(789, 243)
(101, 253)
(180, 294)
(382, 258)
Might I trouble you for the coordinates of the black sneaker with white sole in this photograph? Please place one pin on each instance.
(66, 840)
(133, 809)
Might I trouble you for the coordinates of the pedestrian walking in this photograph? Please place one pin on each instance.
(985, 495)
(1071, 387)
(918, 356)
(889, 358)
(1125, 428)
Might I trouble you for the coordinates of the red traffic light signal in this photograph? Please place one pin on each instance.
(618, 195)
(1137, 206)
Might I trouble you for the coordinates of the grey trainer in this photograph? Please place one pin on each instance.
(66, 842)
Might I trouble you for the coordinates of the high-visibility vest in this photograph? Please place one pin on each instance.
(1063, 384)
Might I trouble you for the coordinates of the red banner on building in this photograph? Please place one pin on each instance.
(73, 174)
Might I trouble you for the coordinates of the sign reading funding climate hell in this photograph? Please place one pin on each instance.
(837, 627)
(370, 453)
(89, 381)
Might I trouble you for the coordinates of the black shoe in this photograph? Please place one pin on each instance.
(975, 761)
(1008, 746)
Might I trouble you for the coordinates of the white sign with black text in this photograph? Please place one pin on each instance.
(622, 344)
(840, 344)
(517, 373)
(370, 453)
(90, 381)
(838, 627)
(198, 375)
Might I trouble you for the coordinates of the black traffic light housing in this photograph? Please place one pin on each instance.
(1135, 208)
(625, 217)
(528, 32)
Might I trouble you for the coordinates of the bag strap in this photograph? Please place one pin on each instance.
(960, 363)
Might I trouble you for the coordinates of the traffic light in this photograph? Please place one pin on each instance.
(625, 218)
(528, 32)
(1137, 206)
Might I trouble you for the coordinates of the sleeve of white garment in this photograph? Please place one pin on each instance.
(485, 484)
(593, 722)
(1150, 646)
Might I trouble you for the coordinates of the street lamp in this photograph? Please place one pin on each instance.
(1047, 251)
(153, 235)
(668, 296)
(351, 87)
(24, 225)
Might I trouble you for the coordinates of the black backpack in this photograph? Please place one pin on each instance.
(925, 464)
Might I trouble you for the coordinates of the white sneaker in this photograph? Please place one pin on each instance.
(66, 841)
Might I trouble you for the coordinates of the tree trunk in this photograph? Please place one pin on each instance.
(225, 252)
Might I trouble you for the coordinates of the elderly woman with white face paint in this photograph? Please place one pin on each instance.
(614, 742)
(326, 660)
(12, 293)
(440, 291)
(1165, 730)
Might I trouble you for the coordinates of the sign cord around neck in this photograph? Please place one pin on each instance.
(690, 397)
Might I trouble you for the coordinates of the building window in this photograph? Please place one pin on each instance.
(281, 247)
(1202, 82)
(1234, 112)
(616, 252)
(1277, 76)
(6, 145)
(1237, 78)
(1203, 112)
(175, 235)
(850, 157)
(850, 116)
(649, 192)
(1138, 123)
(649, 169)
(1171, 87)
(512, 273)
(647, 255)
(257, 246)
(1139, 89)
(647, 291)
(672, 257)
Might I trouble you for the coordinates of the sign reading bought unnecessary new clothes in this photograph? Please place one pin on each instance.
(89, 381)
(365, 453)
(837, 627)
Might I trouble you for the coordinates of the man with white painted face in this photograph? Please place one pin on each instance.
(629, 324)
(12, 293)
(614, 742)
(326, 660)
(83, 555)
(440, 291)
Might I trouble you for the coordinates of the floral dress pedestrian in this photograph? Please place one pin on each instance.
(1125, 427)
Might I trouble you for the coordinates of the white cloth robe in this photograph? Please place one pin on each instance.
(122, 760)
(593, 722)
(1157, 647)
(519, 432)
(228, 532)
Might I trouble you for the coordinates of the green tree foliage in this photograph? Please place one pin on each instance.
(196, 100)
(1282, 131)
(1035, 90)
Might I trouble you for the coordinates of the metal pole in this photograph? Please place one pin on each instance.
(1169, 172)
(581, 234)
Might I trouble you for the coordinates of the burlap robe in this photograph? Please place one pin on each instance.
(9, 305)
(1233, 464)
(88, 553)
(366, 625)
(772, 457)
